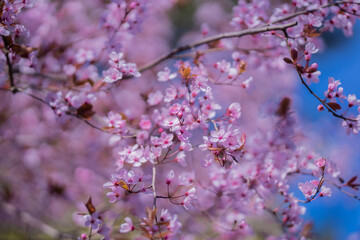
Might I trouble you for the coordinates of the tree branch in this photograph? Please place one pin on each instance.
(10, 68)
(213, 39)
(87, 122)
(264, 28)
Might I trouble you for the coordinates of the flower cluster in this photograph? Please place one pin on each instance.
(119, 69)
(9, 25)
(124, 183)
(71, 104)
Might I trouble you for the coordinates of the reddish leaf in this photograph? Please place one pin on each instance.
(353, 179)
(334, 106)
(90, 207)
(85, 110)
(341, 180)
(294, 54)
(288, 60)
(284, 107)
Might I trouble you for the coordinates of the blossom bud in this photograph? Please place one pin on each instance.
(320, 107)
(294, 54)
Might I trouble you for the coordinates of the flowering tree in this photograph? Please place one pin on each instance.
(165, 142)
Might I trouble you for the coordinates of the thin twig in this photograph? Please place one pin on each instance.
(310, 90)
(153, 185)
(322, 101)
(10, 68)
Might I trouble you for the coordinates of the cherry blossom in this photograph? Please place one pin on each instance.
(128, 226)
(191, 130)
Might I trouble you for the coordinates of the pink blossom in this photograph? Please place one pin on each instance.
(308, 188)
(205, 29)
(112, 75)
(320, 107)
(246, 84)
(114, 120)
(351, 126)
(83, 56)
(145, 123)
(171, 94)
(155, 98)
(165, 75)
(310, 48)
(171, 122)
(92, 220)
(315, 21)
(83, 237)
(234, 111)
(325, 191)
(207, 161)
(312, 77)
(352, 100)
(170, 176)
(69, 69)
(190, 197)
(180, 158)
(115, 58)
(128, 226)
(219, 136)
(320, 162)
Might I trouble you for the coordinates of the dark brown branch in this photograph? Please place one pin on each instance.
(10, 68)
(323, 102)
(213, 39)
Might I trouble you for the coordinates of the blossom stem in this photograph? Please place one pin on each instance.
(153, 185)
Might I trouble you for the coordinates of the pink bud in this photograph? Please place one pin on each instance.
(133, 5)
(320, 107)
(320, 162)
